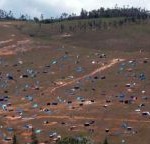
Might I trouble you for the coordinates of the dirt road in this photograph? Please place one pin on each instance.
(113, 62)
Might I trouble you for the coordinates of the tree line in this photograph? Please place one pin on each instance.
(115, 12)
(136, 13)
(127, 12)
(6, 15)
(86, 21)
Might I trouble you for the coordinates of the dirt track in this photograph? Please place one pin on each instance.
(13, 48)
(6, 41)
(113, 62)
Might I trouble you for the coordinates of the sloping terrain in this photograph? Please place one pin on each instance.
(89, 84)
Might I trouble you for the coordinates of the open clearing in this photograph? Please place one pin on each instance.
(94, 84)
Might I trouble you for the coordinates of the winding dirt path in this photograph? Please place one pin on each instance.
(113, 62)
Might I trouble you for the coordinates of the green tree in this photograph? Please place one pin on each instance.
(34, 137)
(105, 141)
(83, 14)
(74, 140)
(14, 139)
(36, 20)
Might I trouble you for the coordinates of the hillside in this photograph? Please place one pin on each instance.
(90, 81)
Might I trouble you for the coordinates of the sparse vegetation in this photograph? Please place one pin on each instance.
(34, 139)
(105, 141)
(14, 140)
(74, 140)
(59, 88)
